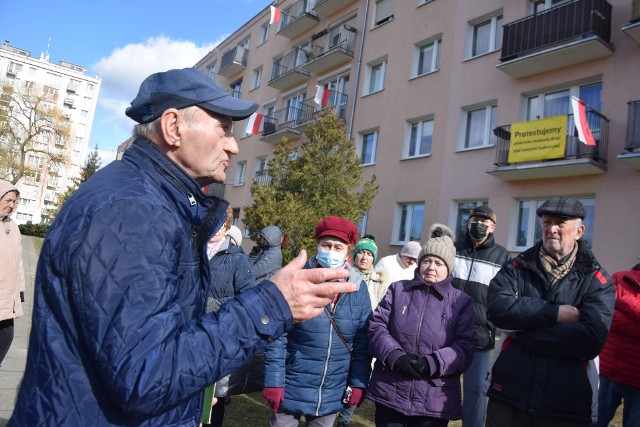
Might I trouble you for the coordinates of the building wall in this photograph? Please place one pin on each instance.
(72, 85)
(451, 174)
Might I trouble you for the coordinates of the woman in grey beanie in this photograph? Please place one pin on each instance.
(423, 337)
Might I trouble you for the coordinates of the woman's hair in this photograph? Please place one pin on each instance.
(228, 222)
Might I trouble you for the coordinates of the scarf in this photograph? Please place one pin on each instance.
(557, 270)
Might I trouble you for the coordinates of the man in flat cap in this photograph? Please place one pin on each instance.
(120, 335)
(478, 260)
(557, 302)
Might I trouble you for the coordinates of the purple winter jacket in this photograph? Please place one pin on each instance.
(435, 322)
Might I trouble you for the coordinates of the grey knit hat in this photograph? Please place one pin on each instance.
(235, 233)
(440, 244)
(411, 249)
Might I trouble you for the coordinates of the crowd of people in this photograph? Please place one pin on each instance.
(144, 298)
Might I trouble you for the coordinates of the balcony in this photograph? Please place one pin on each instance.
(579, 159)
(336, 103)
(73, 87)
(288, 70)
(297, 19)
(262, 177)
(329, 7)
(632, 156)
(281, 125)
(633, 29)
(233, 61)
(331, 49)
(564, 35)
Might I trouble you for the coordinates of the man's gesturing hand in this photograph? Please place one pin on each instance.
(308, 290)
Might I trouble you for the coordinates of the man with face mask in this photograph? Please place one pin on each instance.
(478, 260)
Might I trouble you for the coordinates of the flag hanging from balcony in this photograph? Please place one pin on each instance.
(322, 96)
(275, 15)
(580, 120)
(253, 124)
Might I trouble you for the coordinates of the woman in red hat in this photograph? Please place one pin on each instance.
(323, 364)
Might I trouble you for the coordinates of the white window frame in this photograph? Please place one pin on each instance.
(256, 76)
(241, 167)
(434, 43)
(494, 20)
(374, 146)
(211, 70)
(264, 33)
(532, 225)
(383, 12)
(380, 64)
(460, 215)
(488, 139)
(402, 232)
(419, 125)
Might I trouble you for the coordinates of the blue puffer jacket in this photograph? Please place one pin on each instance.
(119, 336)
(435, 322)
(312, 363)
(268, 260)
(231, 272)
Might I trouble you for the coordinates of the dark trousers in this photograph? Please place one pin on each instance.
(500, 414)
(6, 337)
(217, 413)
(387, 417)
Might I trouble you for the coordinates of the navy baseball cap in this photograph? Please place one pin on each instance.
(562, 206)
(185, 88)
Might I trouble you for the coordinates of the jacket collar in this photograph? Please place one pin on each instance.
(440, 289)
(585, 260)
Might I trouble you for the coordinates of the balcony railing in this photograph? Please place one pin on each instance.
(331, 48)
(297, 19)
(556, 26)
(289, 70)
(329, 7)
(337, 102)
(262, 177)
(233, 61)
(633, 127)
(574, 149)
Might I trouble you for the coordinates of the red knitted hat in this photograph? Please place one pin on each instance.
(339, 228)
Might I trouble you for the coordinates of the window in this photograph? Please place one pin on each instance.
(374, 78)
(91, 87)
(264, 33)
(14, 68)
(383, 12)
(261, 164)
(294, 108)
(427, 57)
(537, 6)
(240, 169)
(211, 71)
(367, 147)
(408, 222)
(527, 231)
(24, 217)
(85, 114)
(558, 102)
(479, 125)
(463, 209)
(339, 87)
(362, 224)
(48, 90)
(486, 35)
(235, 88)
(419, 138)
(236, 216)
(255, 79)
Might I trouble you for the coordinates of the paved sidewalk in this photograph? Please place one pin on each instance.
(14, 363)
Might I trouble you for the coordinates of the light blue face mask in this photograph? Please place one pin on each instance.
(330, 259)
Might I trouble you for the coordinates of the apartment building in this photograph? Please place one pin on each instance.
(451, 104)
(76, 95)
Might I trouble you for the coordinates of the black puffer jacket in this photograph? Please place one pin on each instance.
(475, 267)
(543, 370)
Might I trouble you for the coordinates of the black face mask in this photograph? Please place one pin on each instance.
(478, 231)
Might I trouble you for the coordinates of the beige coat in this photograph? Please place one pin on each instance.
(11, 269)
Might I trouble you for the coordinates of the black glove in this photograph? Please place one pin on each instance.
(409, 365)
(420, 364)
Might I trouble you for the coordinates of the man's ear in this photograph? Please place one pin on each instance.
(170, 123)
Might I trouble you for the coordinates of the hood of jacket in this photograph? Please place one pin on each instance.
(272, 234)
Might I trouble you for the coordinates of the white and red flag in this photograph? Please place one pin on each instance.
(322, 96)
(580, 120)
(275, 15)
(253, 124)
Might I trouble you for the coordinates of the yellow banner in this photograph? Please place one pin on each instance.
(538, 139)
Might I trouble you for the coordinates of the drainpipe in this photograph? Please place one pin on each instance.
(358, 65)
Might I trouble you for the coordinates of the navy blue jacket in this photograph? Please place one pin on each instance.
(119, 334)
(269, 259)
(231, 272)
(312, 363)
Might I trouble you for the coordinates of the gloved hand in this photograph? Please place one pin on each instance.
(409, 365)
(420, 364)
(274, 396)
(356, 398)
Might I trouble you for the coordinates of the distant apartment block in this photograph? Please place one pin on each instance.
(445, 101)
(76, 95)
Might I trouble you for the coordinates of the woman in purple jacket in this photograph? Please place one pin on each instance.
(423, 337)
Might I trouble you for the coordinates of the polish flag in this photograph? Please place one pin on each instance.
(275, 15)
(253, 124)
(580, 120)
(322, 96)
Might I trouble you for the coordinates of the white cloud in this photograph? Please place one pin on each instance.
(106, 157)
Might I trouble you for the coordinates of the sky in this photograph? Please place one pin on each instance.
(122, 42)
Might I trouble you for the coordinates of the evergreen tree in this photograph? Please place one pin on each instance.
(322, 178)
(90, 167)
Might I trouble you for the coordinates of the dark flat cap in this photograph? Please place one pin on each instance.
(562, 206)
(484, 212)
(184, 88)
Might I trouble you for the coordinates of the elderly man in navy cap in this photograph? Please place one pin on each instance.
(557, 302)
(120, 335)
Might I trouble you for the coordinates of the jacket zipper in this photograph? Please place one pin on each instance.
(326, 362)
